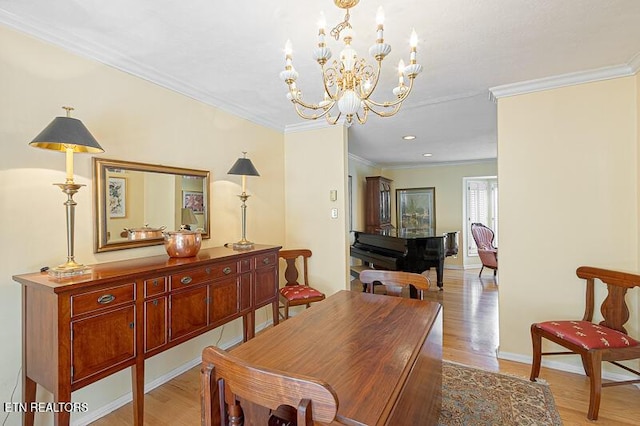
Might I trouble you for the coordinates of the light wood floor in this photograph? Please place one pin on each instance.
(470, 337)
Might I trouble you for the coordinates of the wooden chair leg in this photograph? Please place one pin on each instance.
(481, 269)
(536, 340)
(586, 364)
(286, 310)
(595, 366)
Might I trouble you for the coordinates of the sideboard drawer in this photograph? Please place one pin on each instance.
(102, 299)
(154, 286)
(204, 274)
(266, 260)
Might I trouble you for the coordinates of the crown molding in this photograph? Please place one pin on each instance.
(363, 160)
(439, 164)
(565, 80)
(116, 60)
(306, 126)
(634, 64)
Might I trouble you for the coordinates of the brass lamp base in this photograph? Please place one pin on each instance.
(243, 245)
(69, 269)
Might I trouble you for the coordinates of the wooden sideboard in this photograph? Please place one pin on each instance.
(79, 330)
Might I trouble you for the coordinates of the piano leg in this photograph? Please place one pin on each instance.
(440, 273)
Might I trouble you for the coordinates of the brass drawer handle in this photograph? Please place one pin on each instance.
(155, 283)
(155, 302)
(106, 298)
(226, 271)
(186, 280)
(266, 260)
(208, 271)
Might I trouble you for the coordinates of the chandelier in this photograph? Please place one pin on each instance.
(350, 81)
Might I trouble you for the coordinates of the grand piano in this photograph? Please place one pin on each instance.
(405, 250)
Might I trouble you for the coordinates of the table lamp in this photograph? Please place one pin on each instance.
(187, 218)
(244, 167)
(68, 135)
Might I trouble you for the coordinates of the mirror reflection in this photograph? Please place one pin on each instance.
(136, 202)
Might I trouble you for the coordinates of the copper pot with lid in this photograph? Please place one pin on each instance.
(144, 233)
(182, 243)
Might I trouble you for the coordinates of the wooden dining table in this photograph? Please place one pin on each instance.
(381, 354)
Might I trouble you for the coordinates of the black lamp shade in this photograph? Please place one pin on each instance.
(67, 132)
(243, 166)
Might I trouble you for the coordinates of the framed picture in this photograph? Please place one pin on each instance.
(193, 200)
(117, 197)
(417, 209)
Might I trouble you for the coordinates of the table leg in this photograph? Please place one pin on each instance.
(276, 312)
(60, 396)
(137, 387)
(28, 396)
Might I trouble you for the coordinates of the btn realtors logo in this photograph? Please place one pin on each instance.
(46, 407)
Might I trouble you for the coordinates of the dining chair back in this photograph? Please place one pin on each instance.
(295, 293)
(394, 281)
(606, 340)
(233, 379)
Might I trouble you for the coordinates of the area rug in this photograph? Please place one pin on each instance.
(473, 397)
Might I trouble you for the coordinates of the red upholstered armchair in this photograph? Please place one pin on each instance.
(486, 250)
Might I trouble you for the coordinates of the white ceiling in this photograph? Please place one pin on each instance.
(229, 54)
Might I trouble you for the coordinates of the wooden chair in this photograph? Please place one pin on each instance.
(306, 398)
(395, 281)
(483, 236)
(605, 341)
(294, 293)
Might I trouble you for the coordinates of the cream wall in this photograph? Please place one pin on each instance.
(133, 120)
(568, 170)
(448, 181)
(315, 164)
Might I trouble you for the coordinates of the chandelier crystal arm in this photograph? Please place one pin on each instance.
(391, 113)
(301, 112)
(295, 98)
(364, 95)
(401, 97)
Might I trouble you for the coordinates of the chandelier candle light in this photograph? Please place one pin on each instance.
(68, 135)
(349, 82)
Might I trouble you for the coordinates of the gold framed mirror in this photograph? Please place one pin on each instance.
(135, 202)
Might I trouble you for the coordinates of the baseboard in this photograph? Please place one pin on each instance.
(563, 366)
(148, 387)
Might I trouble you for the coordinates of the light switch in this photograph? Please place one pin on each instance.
(333, 195)
(334, 213)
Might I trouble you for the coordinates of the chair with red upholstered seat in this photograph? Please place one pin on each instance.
(294, 293)
(488, 253)
(604, 341)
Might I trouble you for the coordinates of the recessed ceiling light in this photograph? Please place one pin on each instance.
(427, 154)
(409, 137)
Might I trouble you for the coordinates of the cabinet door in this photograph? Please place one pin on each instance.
(155, 323)
(265, 285)
(102, 341)
(246, 288)
(188, 312)
(224, 300)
